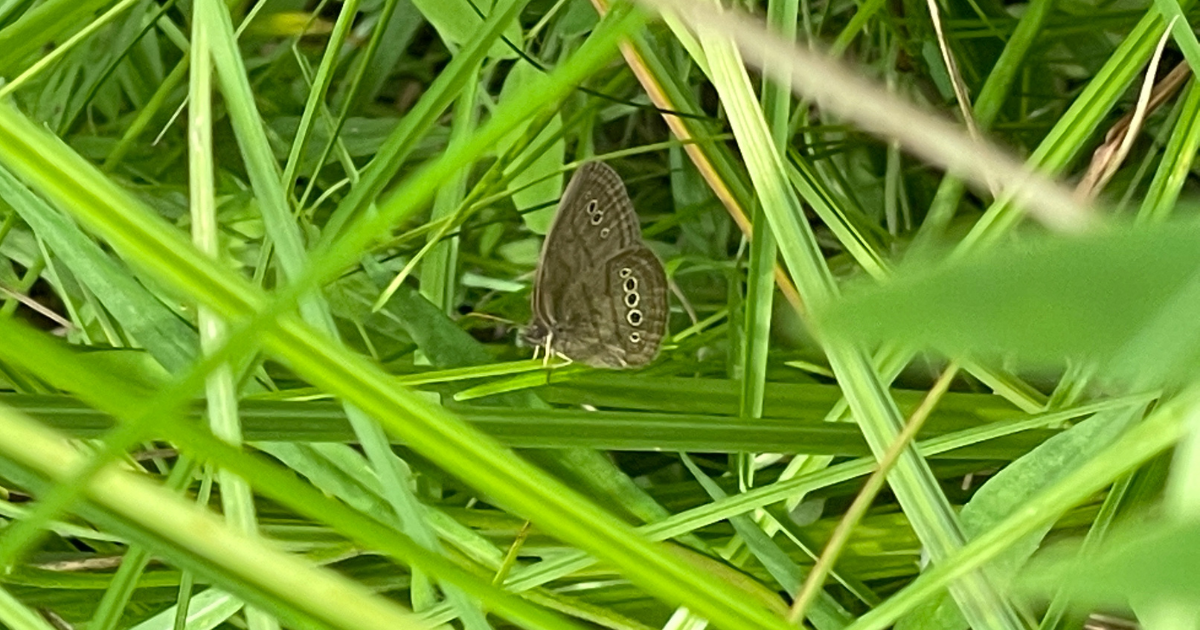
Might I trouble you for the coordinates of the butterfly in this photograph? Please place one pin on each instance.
(599, 294)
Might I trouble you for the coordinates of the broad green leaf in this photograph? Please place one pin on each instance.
(1126, 298)
(1147, 562)
(457, 20)
(1006, 492)
(540, 182)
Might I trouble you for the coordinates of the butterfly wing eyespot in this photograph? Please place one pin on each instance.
(635, 337)
(597, 217)
(634, 317)
(630, 284)
(625, 272)
(604, 232)
(592, 204)
(632, 298)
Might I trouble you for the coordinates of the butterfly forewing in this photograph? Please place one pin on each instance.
(594, 221)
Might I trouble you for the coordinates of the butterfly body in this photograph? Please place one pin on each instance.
(600, 295)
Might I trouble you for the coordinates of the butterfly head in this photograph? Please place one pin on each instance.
(536, 333)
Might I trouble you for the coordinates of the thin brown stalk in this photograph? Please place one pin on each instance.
(956, 80)
(696, 154)
(1119, 140)
(38, 307)
(841, 534)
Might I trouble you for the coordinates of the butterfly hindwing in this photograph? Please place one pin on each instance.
(637, 294)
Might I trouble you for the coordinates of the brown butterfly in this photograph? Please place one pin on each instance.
(600, 295)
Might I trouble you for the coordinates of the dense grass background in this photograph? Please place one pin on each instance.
(263, 268)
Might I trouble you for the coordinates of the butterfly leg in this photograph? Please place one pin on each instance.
(549, 352)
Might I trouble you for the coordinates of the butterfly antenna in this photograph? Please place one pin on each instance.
(490, 317)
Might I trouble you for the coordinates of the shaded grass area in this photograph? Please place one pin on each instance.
(313, 227)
